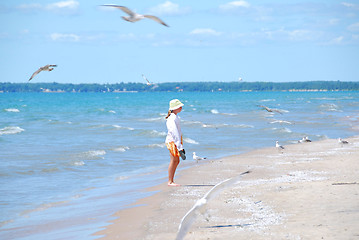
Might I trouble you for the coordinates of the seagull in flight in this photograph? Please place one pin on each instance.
(47, 67)
(134, 17)
(270, 109)
(148, 82)
(197, 158)
(199, 207)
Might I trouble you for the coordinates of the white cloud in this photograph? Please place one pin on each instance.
(168, 8)
(350, 5)
(29, 7)
(337, 40)
(354, 27)
(65, 37)
(70, 4)
(205, 31)
(234, 5)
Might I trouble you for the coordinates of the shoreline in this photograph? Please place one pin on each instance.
(309, 191)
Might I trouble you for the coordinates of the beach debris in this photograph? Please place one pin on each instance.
(271, 109)
(304, 139)
(345, 183)
(133, 16)
(47, 67)
(199, 207)
(197, 158)
(278, 146)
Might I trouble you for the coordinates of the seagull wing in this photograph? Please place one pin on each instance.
(222, 185)
(35, 73)
(123, 8)
(199, 206)
(156, 19)
(188, 220)
(144, 77)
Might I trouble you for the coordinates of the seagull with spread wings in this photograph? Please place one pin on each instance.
(270, 109)
(47, 67)
(148, 82)
(199, 207)
(134, 17)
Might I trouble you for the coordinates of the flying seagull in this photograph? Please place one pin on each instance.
(200, 206)
(148, 82)
(197, 158)
(48, 67)
(270, 109)
(134, 17)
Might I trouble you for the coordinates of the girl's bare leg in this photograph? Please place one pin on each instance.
(172, 169)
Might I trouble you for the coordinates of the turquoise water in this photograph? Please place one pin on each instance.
(68, 160)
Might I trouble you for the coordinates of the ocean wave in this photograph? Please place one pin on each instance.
(156, 145)
(226, 125)
(281, 122)
(112, 111)
(120, 127)
(330, 107)
(153, 133)
(78, 163)
(11, 110)
(121, 149)
(214, 111)
(155, 119)
(190, 141)
(11, 130)
(93, 155)
(43, 207)
(282, 130)
(267, 100)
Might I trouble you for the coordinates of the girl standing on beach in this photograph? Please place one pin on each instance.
(174, 139)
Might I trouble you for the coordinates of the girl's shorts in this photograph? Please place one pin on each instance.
(173, 149)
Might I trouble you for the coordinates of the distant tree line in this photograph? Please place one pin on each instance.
(182, 86)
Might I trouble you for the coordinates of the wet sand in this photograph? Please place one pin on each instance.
(307, 191)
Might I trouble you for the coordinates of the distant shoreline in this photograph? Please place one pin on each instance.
(310, 86)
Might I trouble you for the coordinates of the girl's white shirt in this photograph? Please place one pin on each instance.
(174, 131)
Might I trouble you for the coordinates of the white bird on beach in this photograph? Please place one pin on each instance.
(199, 207)
(197, 158)
(134, 17)
(148, 82)
(304, 139)
(278, 146)
(47, 67)
(341, 141)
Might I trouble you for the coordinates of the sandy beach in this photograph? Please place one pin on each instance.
(307, 191)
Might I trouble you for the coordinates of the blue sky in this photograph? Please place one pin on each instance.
(208, 40)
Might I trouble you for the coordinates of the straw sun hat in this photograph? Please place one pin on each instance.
(175, 103)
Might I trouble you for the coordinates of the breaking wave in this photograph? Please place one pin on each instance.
(11, 130)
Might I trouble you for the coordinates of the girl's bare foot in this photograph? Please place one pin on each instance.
(172, 184)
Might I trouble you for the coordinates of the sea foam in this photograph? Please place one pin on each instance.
(11, 130)
(12, 110)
